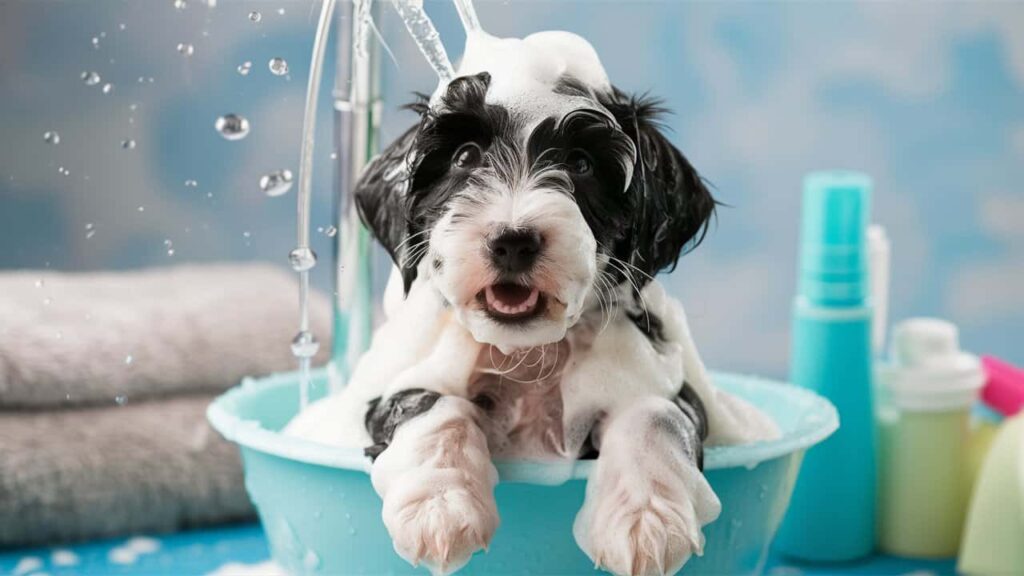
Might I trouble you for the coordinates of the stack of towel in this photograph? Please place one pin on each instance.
(104, 383)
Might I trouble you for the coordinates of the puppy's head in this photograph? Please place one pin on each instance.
(522, 211)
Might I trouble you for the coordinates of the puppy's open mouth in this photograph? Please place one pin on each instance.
(511, 302)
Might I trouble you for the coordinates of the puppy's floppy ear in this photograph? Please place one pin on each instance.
(673, 207)
(381, 197)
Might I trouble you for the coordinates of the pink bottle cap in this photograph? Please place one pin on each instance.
(1004, 389)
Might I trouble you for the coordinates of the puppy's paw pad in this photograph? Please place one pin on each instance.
(441, 526)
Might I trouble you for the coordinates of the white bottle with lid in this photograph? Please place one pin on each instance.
(924, 419)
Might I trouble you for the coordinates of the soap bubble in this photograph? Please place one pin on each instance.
(255, 16)
(232, 127)
(244, 68)
(305, 345)
(91, 78)
(302, 259)
(278, 66)
(276, 183)
(51, 137)
(186, 49)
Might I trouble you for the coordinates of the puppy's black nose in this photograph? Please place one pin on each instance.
(515, 251)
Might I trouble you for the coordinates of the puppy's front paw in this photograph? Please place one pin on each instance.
(440, 521)
(642, 530)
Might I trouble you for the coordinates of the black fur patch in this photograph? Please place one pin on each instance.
(599, 194)
(383, 418)
(649, 324)
(396, 208)
(693, 409)
(673, 206)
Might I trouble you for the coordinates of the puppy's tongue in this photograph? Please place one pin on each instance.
(511, 299)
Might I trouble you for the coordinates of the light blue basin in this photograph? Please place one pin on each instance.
(321, 514)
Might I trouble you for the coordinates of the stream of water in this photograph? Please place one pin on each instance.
(302, 259)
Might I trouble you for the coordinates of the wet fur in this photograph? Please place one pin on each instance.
(436, 421)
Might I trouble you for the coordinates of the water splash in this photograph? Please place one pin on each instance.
(278, 66)
(467, 14)
(277, 183)
(302, 258)
(422, 30)
(232, 126)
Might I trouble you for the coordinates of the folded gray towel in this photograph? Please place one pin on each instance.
(96, 472)
(71, 339)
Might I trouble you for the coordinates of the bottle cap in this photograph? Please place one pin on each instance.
(929, 372)
(1004, 389)
(833, 253)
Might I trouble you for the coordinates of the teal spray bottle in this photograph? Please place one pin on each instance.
(831, 517)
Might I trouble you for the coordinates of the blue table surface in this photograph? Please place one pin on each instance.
(202, 551)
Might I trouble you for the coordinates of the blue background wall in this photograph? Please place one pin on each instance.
(927, 98)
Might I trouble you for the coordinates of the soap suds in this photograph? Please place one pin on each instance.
(129, 552)
(28, 564)
(268, 568)
(525, 71)
(62, 557)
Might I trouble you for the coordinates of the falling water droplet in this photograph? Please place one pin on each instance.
(40, 283)
(64, 171)
(276, 183)
(232, 127)
(255, 16)
(305, 345)
(91, 78)
(302, 259)
(90, 230)
(122, 27)
(51, 137)
(186, 49)
(95, 43)
(128, 360)
(334, 155)
(191, 183)
(331, 231)
(47, 301)
(142, 208)
(108, 88)
(121, 399)
(180, 4)
(128, 144)
(280, 11)
(244, 68)
(278, 66)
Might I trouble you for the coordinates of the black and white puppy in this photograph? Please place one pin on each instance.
(527, 213)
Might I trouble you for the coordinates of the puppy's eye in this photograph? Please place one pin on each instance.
(468, 155)
(579, 163)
